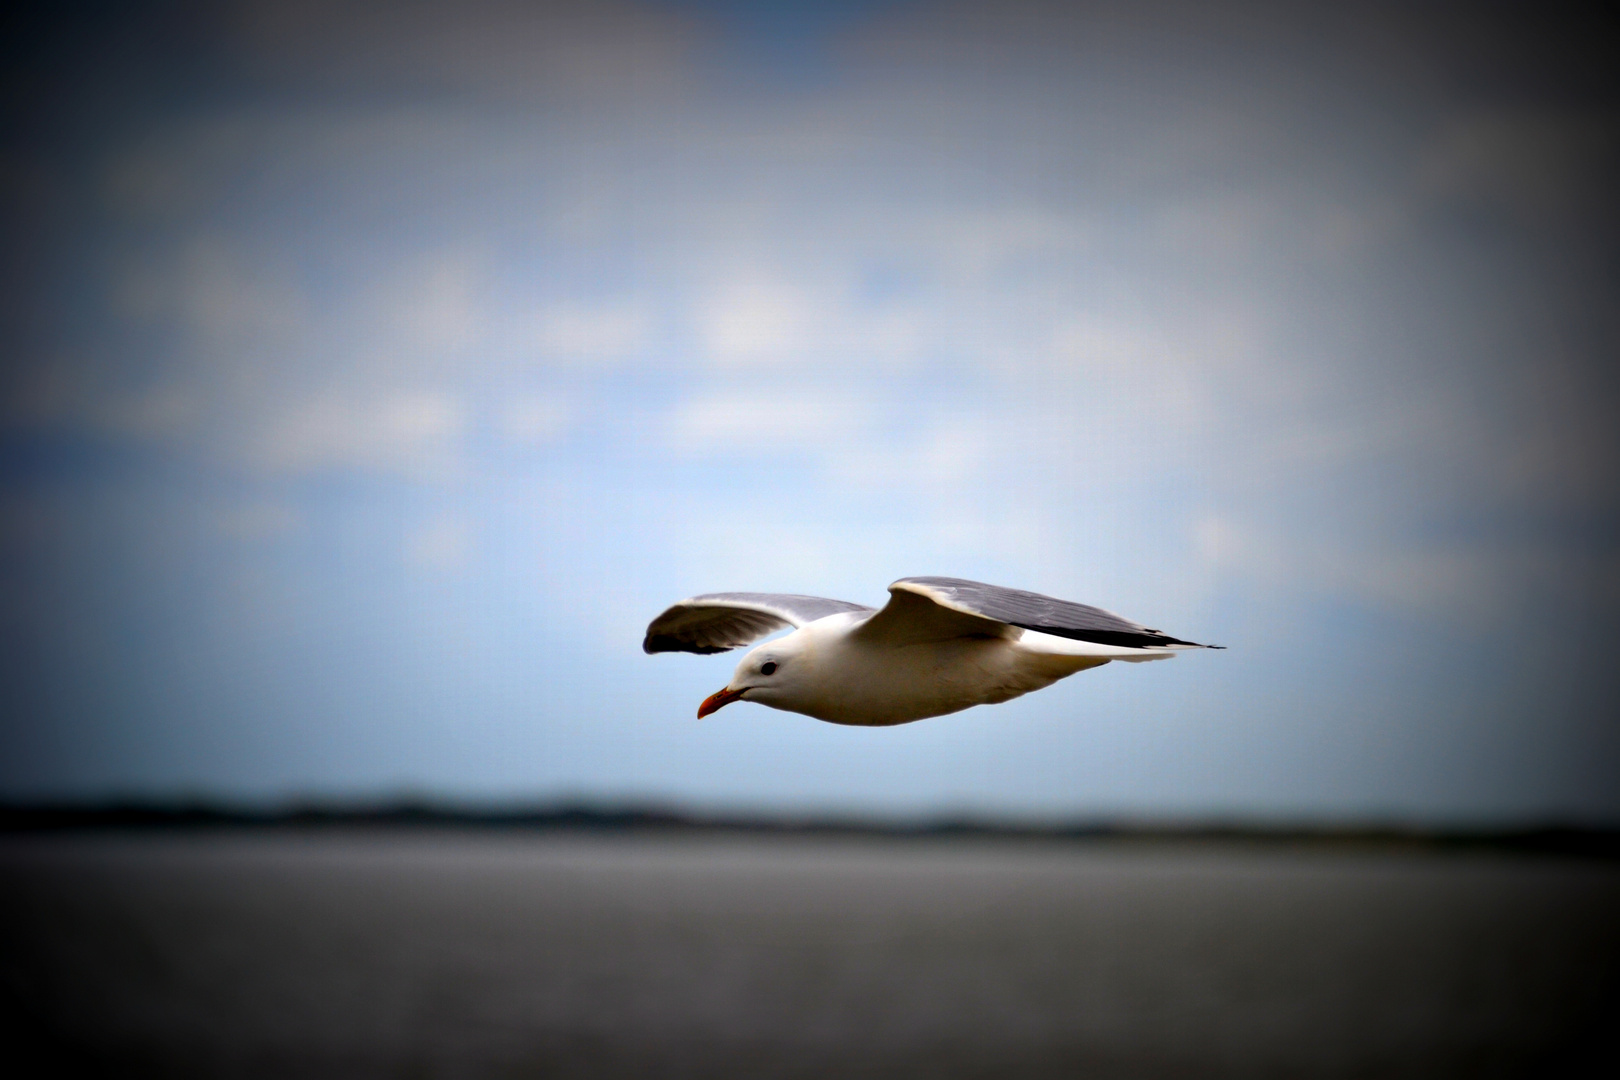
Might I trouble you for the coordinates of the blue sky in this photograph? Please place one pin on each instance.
(377, 372)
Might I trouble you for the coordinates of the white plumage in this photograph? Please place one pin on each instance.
(940, 645)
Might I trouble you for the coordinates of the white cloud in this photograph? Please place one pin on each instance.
(755, 319)
(951, 458)
(573, 332)
(809, 304)
(436, 308)
(789, 420)
(742, 548)
(413, 432)
(854, 264)
(533, 419)
(976, 245)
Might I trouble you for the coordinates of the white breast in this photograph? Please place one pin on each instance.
(875, 685)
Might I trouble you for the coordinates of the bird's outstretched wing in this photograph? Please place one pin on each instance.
(934, 608)
(716, 622)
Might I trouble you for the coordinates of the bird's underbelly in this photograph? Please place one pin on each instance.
(886, 686)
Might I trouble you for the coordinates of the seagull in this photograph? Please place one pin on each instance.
(939, 645)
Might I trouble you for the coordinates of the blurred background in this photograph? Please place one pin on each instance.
(373, 372)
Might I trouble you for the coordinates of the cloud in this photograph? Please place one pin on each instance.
(412, 433)
(978, 246)
(754, 319)
(426, 322)
(810, 317)
(936, 462)
(437, 311)
(533, 419)
(788, 420)
(1106, 293)
(572, 332)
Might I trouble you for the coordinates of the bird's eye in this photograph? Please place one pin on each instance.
(768, 668)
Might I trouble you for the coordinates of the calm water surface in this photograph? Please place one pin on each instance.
(446, 954)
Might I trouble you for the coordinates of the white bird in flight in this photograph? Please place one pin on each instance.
(940, 645)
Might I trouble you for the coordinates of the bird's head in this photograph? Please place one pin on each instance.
(777, 674)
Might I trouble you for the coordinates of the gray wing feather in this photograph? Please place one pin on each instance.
(717, 622)
(1032, 611)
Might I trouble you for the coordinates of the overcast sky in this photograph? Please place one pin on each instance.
(375, 372)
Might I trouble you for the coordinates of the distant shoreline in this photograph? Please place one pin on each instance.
(1545, 839)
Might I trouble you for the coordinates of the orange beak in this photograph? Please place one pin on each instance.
(718, 701)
